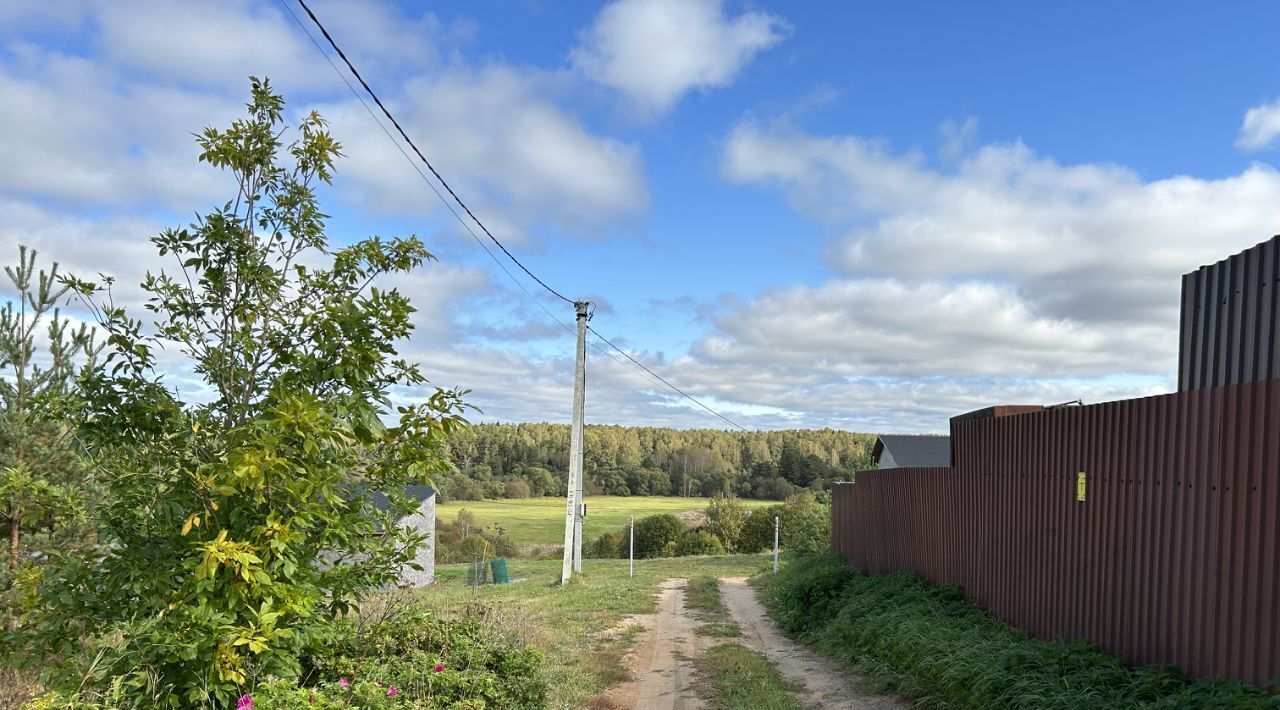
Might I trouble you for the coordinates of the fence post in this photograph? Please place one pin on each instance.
(631, 554)
(775, 544)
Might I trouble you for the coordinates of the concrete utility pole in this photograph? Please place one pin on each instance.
(574, 508)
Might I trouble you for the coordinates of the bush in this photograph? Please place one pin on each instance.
(610, 545)
(698, 542)
(654, 532)
(516, 488)
(757, 530)
(725, 518)
(806, 523)
(926, 642)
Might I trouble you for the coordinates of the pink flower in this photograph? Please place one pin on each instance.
(392, 691)
(343, 682)
(439, 667)
(245, 702)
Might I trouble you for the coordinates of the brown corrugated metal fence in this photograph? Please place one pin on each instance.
(1172, 558)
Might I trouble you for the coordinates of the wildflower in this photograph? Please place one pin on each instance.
(439, 667)
(245, 702)
(392, 691)
(343, 682)
(377, 683)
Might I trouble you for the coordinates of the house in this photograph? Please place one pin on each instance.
(423, 520)
(912, 451)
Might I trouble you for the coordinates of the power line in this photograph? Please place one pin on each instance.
(644, 371)
(422, 157)
(663, 381)
(413, 164)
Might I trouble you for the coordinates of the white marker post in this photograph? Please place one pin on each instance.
(631, 555)
(775, 544)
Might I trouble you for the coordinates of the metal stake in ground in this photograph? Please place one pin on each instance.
(775, 544)
(573, 508)
(631, 554)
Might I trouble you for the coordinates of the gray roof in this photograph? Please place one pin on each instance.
(915, 450)
(417, 493)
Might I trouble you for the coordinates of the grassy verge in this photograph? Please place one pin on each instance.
(735, 678)
(540, 521)
(581, 628)
(927, 643)
(703, 596)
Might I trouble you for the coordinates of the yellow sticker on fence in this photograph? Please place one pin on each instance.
(1080, 487)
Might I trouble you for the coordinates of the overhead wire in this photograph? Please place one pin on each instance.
(629, 362)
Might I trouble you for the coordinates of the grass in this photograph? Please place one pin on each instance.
(735, 677)
(581, 628)
(703, 596)
(540, 521)
(925, 642)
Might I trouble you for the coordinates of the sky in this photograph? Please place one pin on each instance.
(860, 216)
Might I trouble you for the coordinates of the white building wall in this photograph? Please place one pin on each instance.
(423, 520)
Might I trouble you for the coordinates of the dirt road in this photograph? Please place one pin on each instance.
(661, 663)
(821, 684)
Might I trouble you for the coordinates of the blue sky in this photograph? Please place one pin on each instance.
(864, 216)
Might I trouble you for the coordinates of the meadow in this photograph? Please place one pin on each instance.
(540, 521)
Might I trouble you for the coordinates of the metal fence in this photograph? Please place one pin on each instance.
(1172, 557)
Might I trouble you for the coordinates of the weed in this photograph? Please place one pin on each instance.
(734, 677)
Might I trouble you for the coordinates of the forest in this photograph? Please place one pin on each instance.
(523, 460)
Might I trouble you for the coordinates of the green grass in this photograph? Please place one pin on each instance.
(735, 678)
(703, 596)
(540, 521)
(925, 642)
(580, 627)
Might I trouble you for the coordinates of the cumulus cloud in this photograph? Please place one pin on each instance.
(498, 138)
(655, 51)
(1261, 127)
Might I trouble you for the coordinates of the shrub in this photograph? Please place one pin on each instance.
(654, 532)
(806, 523)
(725, 520)
(698, 542)
(757, 529)
(238, 529)
(516, 488)
(610, 545)
(926, 642)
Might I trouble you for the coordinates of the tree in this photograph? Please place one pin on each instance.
(725, 518)
(805, 524)
(655, 532)
(42, 474)
(239, 530)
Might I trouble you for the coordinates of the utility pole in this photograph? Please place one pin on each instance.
(573, 507)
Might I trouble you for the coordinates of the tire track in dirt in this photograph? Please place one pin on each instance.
(662, 661)
(821, 683)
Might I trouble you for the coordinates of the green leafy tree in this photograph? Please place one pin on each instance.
(43, 479)
(725, 518)
(655, 532)
(805, 522)
(239, 530)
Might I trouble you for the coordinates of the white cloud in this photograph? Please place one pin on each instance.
(655, 51)
(1261, 127)
(503, 144)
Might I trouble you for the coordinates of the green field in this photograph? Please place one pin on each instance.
(540, 521)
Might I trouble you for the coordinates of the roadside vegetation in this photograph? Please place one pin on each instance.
(925, 642)
(702, 594)
(735, 678)
(223, 551)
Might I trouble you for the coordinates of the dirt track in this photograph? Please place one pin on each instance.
(662, 661)
(661, 665)
(821, 684)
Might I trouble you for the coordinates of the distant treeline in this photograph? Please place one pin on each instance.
(523, 460)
